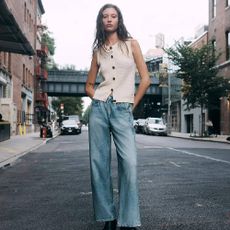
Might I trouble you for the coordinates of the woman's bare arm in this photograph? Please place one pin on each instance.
(143, 72)
(92, 75)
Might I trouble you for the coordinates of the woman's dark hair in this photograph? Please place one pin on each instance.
(101, 35)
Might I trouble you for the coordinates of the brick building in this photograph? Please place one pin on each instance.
(17, 61)
(219, 35)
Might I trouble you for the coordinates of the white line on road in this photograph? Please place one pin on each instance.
(152, 147)
(175, 164)
(198, 155)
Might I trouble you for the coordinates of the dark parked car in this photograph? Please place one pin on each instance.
(139, 125)
(70, 127)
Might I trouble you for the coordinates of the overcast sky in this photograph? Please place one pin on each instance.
(73, 22)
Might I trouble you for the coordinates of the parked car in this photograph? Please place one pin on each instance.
(73, 117)
(155, 126)
(139, 125)
(70, 127)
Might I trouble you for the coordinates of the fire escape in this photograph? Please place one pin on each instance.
(41, 97)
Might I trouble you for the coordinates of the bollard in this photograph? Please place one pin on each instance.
(24, 128)
(20, 129)
(44, 134)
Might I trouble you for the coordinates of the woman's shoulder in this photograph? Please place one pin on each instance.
(133, 42)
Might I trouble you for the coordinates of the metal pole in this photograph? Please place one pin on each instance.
(169, 104)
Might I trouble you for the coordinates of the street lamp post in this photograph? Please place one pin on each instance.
(165, 73)
(169, 104)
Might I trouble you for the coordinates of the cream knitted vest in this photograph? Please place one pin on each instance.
(117, 68)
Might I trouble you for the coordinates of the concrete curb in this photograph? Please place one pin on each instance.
(201, 139)
(8, 162)
(11, 160)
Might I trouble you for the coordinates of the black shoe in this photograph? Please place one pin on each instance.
(128, 228)
(110, 225)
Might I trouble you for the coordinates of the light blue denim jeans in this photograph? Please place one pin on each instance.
(113, 119)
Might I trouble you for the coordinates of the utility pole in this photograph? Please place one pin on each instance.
(169, 104)
(165, 81)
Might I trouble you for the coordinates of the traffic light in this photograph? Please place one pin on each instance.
(62, 109)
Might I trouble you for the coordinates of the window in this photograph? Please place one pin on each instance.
(23, 74)
(227, 45)
(213, 8)
(214, 46)
(227, 3)
(25, 12)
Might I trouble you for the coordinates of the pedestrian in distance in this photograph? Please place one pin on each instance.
(117, 56)
(1, 120)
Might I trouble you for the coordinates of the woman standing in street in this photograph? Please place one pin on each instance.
(116, 55)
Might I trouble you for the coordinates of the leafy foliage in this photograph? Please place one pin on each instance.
(49, 41)
(72, 105)
(200, 77)
(85, 117)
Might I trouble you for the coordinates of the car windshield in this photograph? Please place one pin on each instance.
(156, 121)
(69, 122)
(141, 121)
(72, 117)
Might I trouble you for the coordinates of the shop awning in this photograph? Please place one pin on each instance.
(11, 37)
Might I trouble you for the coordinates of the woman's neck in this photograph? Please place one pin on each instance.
(111, 39)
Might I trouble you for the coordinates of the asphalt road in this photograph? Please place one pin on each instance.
(183, 185)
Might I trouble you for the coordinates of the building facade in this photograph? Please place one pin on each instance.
(17, 67)
(191, 120)
(219, 35)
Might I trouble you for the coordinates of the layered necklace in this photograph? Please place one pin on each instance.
(107, 49)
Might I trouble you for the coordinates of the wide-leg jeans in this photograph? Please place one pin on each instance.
(113, 119)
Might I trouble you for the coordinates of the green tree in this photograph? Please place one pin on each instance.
(49, 41)
(85, 117)
(72, 105)
(201, 82)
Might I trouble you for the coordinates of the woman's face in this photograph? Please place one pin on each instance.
(110, 20)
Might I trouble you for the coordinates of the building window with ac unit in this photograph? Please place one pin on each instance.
(213, 8)
(214, 46)
(228, 45)
(227, 3)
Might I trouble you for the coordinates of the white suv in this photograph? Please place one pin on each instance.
(156, 126)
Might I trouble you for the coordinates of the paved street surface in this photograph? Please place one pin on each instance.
(184, 184)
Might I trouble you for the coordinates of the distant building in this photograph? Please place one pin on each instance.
(158, 51)
(200, 30)
(160, 40)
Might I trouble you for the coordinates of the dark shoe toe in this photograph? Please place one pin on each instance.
(110, 225)
(128, 228)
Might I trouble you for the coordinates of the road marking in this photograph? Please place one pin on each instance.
(85, 193)
(175, 164)
(90, 193)
(151, 147)
(198, 205)
(198, 155)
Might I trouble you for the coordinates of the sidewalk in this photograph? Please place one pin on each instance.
(213, 138)
(17, 146)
